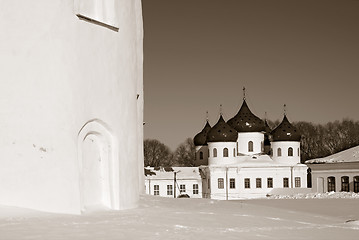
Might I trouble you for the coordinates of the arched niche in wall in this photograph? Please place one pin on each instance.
(98, 159)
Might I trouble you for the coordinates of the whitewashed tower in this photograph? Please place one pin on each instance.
(200, 141)
(71, 104)
(221, 141)
(286, 143)
(250, 130)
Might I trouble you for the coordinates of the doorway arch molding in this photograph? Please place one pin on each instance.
(109, 150)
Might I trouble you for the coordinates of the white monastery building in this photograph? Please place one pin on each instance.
(238, 159)
(71, 104)
(173, 182)
(336, 173)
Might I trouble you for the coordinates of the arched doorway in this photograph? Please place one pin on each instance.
(97, 161)
(320, 185)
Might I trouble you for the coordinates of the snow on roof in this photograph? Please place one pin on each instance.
(349, 155)
(181, 173)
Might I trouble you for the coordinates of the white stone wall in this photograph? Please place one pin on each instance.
(70, 90)
(220, 159)
(240, 173)
(284, 146)
(244, 138)
(204, 150)
(320, 179)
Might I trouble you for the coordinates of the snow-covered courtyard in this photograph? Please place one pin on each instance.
(313, 216)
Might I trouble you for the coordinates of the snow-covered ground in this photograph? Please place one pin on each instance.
(329, 217)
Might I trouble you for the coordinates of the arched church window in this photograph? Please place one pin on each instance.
(345, 184)
(214, 152)
(356, 184)
(290, 152)
(200, 155)
(331, 184)
(250, 146)
(279, 152)
(225, 152)
(234, 152)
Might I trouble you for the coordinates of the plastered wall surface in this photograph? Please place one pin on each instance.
(59, 73)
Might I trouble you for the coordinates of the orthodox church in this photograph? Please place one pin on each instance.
(244, 158)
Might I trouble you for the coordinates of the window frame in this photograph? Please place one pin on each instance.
(169, 190)
(356, 184)
(250, 146)
(214, 152)
(258, 182)
(225, 152)
(298, 182)
(195, 188)
(345, 187)
(182, 188)
(220, 183)
(247, 183)
(269, 182)
(156, 190)
(290, 152)
(331, 183)
(232, 183)
(285, 182)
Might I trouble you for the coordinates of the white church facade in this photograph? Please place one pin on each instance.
(71, 104)
(243, 158)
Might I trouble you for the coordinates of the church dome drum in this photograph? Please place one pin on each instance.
(285, 132)
(222, 132)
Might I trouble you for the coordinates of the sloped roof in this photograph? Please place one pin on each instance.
(182, 173)
(349, 155)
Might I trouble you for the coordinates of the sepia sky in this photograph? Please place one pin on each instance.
(199, 54)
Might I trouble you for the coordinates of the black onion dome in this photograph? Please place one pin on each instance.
(286, 132)
(201, 138)
(246, 121)
(222, 132)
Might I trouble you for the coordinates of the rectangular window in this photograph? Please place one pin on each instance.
(285, 182)
(232, 183)
(269, 182)
(169, 189)
(182, 188)
(258, 182)
(156, 190)
(247, 183)
(220, 183)
(209, 183)
(297, 182)
(195, 188)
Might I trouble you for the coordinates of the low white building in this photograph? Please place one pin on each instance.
(238, 160)
(173, 182)
(338, 172)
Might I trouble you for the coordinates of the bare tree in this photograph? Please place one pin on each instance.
(156, 154)
(322, 140)
(185, 153)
